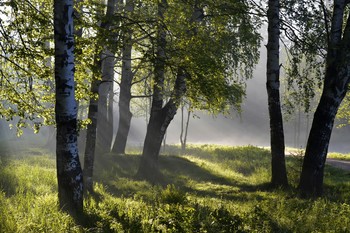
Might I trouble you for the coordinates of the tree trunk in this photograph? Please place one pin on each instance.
(182, 127)
(278, 166)
(106, 93)
(125, 114)
(311, 180)
(105, 122)
(157, 126)
(93, 114)
(91, 138)
(184, 131)
(69, 173)
(161, 117)
(335, 88)
(149, 161)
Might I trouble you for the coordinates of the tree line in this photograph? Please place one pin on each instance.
(167, 53)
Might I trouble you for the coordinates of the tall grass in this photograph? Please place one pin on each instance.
(208, 189)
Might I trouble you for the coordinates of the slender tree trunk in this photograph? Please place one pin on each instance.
(110, 114)
(125, 114)
(93, 115)
(105, 122)
(182, 127)
(184, 131)
(91, 138)
(279, 173)
(106, 93)
(69, 173)
(335, 88)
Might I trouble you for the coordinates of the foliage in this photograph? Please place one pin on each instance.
(304, 25)
(172, 195)
(343, 114)
(26, 53)
(26, 73)
(340, 156)
(218, 51)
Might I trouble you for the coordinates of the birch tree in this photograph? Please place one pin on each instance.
(69, 172)
(335, 84)
(108, 62)
(93, 103)
(125, 96)
(199, 47)
(155, 132)
(279, 173)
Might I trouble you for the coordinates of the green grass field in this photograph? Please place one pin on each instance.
(209, 189)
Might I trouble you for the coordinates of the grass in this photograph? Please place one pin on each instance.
(331, 155)
(208, 189)
(335, 155)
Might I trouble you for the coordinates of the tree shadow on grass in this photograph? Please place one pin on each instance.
(337, 184)
(117, 172)
(177, 170)
(8, 182)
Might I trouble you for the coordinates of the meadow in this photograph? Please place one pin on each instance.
(208, 189)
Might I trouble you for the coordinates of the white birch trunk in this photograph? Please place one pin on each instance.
(278, 166)
(69, 173)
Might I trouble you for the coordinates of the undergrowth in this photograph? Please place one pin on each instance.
(208, 189)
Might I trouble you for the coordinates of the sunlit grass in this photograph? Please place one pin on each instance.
(331, 155)
(208, 189)
(340, 156)
(28, 197)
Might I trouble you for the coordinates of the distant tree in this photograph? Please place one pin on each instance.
(125, 96)
(93, 102)
(69, 172)
(108, 64)
(184, 127)
(279, 173)
(199, 47)
(155, 132)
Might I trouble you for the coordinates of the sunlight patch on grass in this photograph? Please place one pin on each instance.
(341, 156)
(218, 189)
(220, 170)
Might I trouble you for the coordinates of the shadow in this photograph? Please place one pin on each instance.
(117, 165)
(117, 172)
(176, 169)
(336, 184)
(8, 182)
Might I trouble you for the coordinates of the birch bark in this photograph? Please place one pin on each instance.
(335, 87)
(69, 173)
(279, 173)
